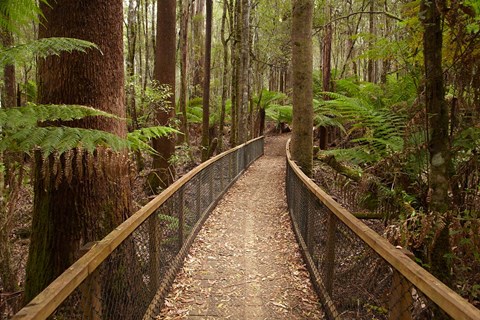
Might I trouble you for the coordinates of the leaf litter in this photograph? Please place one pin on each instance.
(245, 262)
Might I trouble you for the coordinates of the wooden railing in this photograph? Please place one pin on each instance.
(127, 274)
(357, 273)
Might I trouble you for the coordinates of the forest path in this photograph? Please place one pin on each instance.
(245, 262)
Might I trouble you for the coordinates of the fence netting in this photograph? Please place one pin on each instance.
(354, 281)
(132, 282)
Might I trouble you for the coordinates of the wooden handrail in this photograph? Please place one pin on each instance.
(45, 303)
(447, 299)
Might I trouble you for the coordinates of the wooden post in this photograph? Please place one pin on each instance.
(181, 219)
(91, 290)
(154, 236)
(401, 300)
(210, 184)
(330, 256)
(309, 236)
(199, 195)
(221, 175)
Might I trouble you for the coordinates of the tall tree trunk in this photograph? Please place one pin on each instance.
(198, 35)
(185, 9)
(9, 95)
(302, 64)
(130, 62)
(326, 74)
(164, 74)
(371, 27)
(90, 194)
(235, 14)
(244, 70)
(225, 84)
(437, 111)
(206, 83)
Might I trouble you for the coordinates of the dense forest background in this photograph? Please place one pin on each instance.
(396, 110)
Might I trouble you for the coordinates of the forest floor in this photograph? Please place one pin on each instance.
(245, 262)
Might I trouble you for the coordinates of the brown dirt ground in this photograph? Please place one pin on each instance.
(245, 262)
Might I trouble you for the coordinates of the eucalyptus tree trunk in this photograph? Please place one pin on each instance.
(225, 84)
(438, 121)
(326, 74)
(164, 75)
(79, 197)
(130, 62)
(243, 82)
(371, 65)
(302, 65)
(206, 83)
(198, 36)
(185, 9)
(235, 14)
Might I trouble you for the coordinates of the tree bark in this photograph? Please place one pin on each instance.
(438, 118)
(326, 75)
(164, 74)
(206, 83)
(302, 64)
(244, 70)
(235, 14)
(185, 7)
(225, 84)
(89, 195)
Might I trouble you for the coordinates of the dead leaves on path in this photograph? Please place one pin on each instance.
(245, 263)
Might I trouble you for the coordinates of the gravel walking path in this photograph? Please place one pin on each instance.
(245, 262)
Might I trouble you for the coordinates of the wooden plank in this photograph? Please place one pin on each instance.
(452, 303)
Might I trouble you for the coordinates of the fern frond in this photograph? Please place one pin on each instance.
(60, 140)
(279, 113)
(32, 114)
(138, 139)
(43, 48)
(16, 13)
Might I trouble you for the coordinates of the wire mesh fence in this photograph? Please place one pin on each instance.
(357, 273)
(128, 276)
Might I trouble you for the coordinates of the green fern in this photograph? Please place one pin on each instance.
(279, 114)
(16, 13)
(138, 139)
(266, 98)
(43, 48)
(21, 131)
(381, 129)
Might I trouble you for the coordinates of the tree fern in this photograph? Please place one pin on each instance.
(138, 139)
(21, 131)
(279, 113)
(43, 48)
(15, 13)
(381, 129)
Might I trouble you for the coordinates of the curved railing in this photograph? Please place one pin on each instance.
(357, 273)
(127, 274)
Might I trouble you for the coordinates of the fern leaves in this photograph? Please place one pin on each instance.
(21, 131)
(376, 130)
(43, 48)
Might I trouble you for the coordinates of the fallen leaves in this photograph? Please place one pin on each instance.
(245, 263)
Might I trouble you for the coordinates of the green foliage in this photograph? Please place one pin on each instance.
(279, 114)
(15, 13)
(138, 139)
(22, 130)
(377, 131)
(195, 110)
(266, 98)
(42, 48)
